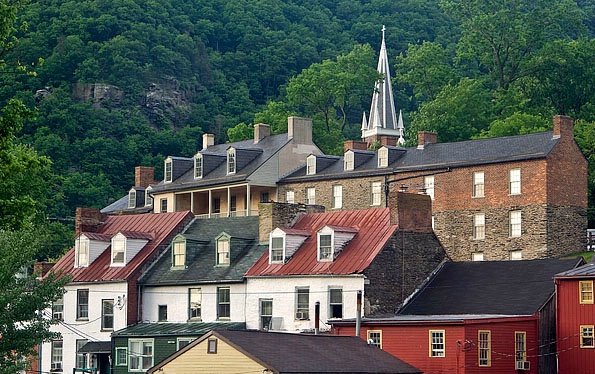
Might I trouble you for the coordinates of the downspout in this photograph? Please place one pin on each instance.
(358, 314)
(317, 318)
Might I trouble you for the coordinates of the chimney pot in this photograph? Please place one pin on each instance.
(261, 131)
(207, 140)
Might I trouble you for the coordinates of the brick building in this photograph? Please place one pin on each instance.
(516, 197)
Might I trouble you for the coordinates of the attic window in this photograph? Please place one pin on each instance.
(168, 172)
(311, 165)
(231, 161)
(118, 250)
(132, 199)
(277, 249)
(382, 157)
(222, 245)
(332, 240)
(82, 252)
(179, 252)
(198, 166)
(348, 161)
(325, 247)
(148, 197)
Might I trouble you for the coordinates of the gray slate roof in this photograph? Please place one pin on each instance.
(443, 155)
(141, 330)
(201, 253)
(585, 271)
(489, 287)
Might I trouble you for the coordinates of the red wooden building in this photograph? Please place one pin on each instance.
(576, 320)
(475, 317)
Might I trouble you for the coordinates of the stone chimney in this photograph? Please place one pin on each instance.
(261, 131)
(300, 130)
(207, 140)
(144, 176)
(272, 215)
(87, 220)
(563, 126)
(426, 137)
(354, 144)
(410, 211)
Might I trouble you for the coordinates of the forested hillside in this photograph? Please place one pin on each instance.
(127, 82)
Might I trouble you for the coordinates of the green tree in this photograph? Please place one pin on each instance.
(240, 132)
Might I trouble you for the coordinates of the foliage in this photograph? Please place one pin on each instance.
(240, 132)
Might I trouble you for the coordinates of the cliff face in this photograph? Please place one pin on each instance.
(98, 93)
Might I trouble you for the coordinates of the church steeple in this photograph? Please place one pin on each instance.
(382, 121)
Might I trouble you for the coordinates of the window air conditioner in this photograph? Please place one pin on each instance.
(56, 366)
(57, 316)
(301, 315)
(523, 365)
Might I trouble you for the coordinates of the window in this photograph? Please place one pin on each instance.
(223, 303)
(195, 301)
(335, 303)
(107, 314)
(348, 161)
(437, 348)
(514, 181)
(586, 292)
(182, 342)
(429, 186)
(118, 250)
(484, 348)
(231, 161)
(81, 358)
(56, 355)
(179, 252)
(376, 197)
(277, 249)
(141, 354)
(337, 196)
(198, 166)
(479, 228)
(168, 171)
(311, 165)
(82, 252)
(148, 197)
(264, 197)
(163, 205)
(222, 243)
(212, 345)
(325, 247)
(516, 255)
(121, 356)
(58, 309)
(302, 301)
(587, 337)
(132, 199)
(310, 196)
(82, 304)
(290, 197)
(382, 157)
(162, 313)
(520, 345)
(233, 205)
(216, 205)
(477, 256)
(375, 338)
(515, 223)
(266, 313)
(478, 184)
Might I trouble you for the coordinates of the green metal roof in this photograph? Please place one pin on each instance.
(176, 329)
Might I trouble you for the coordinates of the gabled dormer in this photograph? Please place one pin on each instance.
(87, 247)
(355, 158)
(283, 243)
(317, 163)
(178, 252)
(389, 154)
(174, 167)
(222, 248)
(198, 166)
(148, 196)
(332, 240)
(126, 245)
(136, 197)
(205, 162)
(238, 158)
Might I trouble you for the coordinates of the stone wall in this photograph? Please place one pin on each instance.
(272, 215)
(569, 235)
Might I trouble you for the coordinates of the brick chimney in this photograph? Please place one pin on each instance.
(261, 131)
(272, 215)
(300, 130)
(563, 126)
(426, 137)
(207, 140)
(40, 269)
(355, 144)
(87, 220)
(410, 211)
(144, 176)
(388, 140)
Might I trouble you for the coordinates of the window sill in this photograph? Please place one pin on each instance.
(224, 319)
(82, 319)
(107, 330)
(478, 197)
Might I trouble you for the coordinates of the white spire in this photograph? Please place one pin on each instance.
(364, 122)
(401, 129)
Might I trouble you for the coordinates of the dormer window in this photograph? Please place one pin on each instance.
(198, 166)
(148, 197)
(348, 161)
(222, 244)
(382, 157)
(311, 165)
(118, 250)
(325, 247)
(179, 252)
(168, 170)
(277, 249)
(332, 240)
(82, 252)
(231, 161)
(132, 199)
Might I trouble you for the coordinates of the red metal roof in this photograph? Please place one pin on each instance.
(373, 231)
(159, 226)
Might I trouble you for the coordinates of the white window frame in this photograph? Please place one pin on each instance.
(311, 165)
(477, 256)
(515, 223)
(223, 249)
(163, 205)
(222, 291)
(376, 193)
(331, 302)
(437, 339)
(383, 157)
(107, 315)
(585, 292)
(276, 253)
(57, 355)
(194, 304)
(148, 198)
(198, 166)
(168, 170)
(132, 199)
(520, 345)
(58, 309)
(587, 338)
(118, 247)
(325, 253)
(337, 196)
(348, 161)
(80, 359)
(374, 337)
(290, 197)
(310, 195)
(184, 341)
(478, 184)
(138, 355)
(265, 313)
(121, 356)
(302, 308)
(82, 309)
(231, 161)
(429, 184)
(484, 348)
(82, 252)
(178, 252)
(479, 226)
(516, 255)
(514, 181)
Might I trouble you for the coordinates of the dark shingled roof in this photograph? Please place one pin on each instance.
(443, 155)
(96, 347)
(298, 353)
(489, 287)
(200, 253)
(141, 330)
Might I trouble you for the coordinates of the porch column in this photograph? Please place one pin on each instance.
(210, 204)
(192, 202)
(228, 202)
(248, 199)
